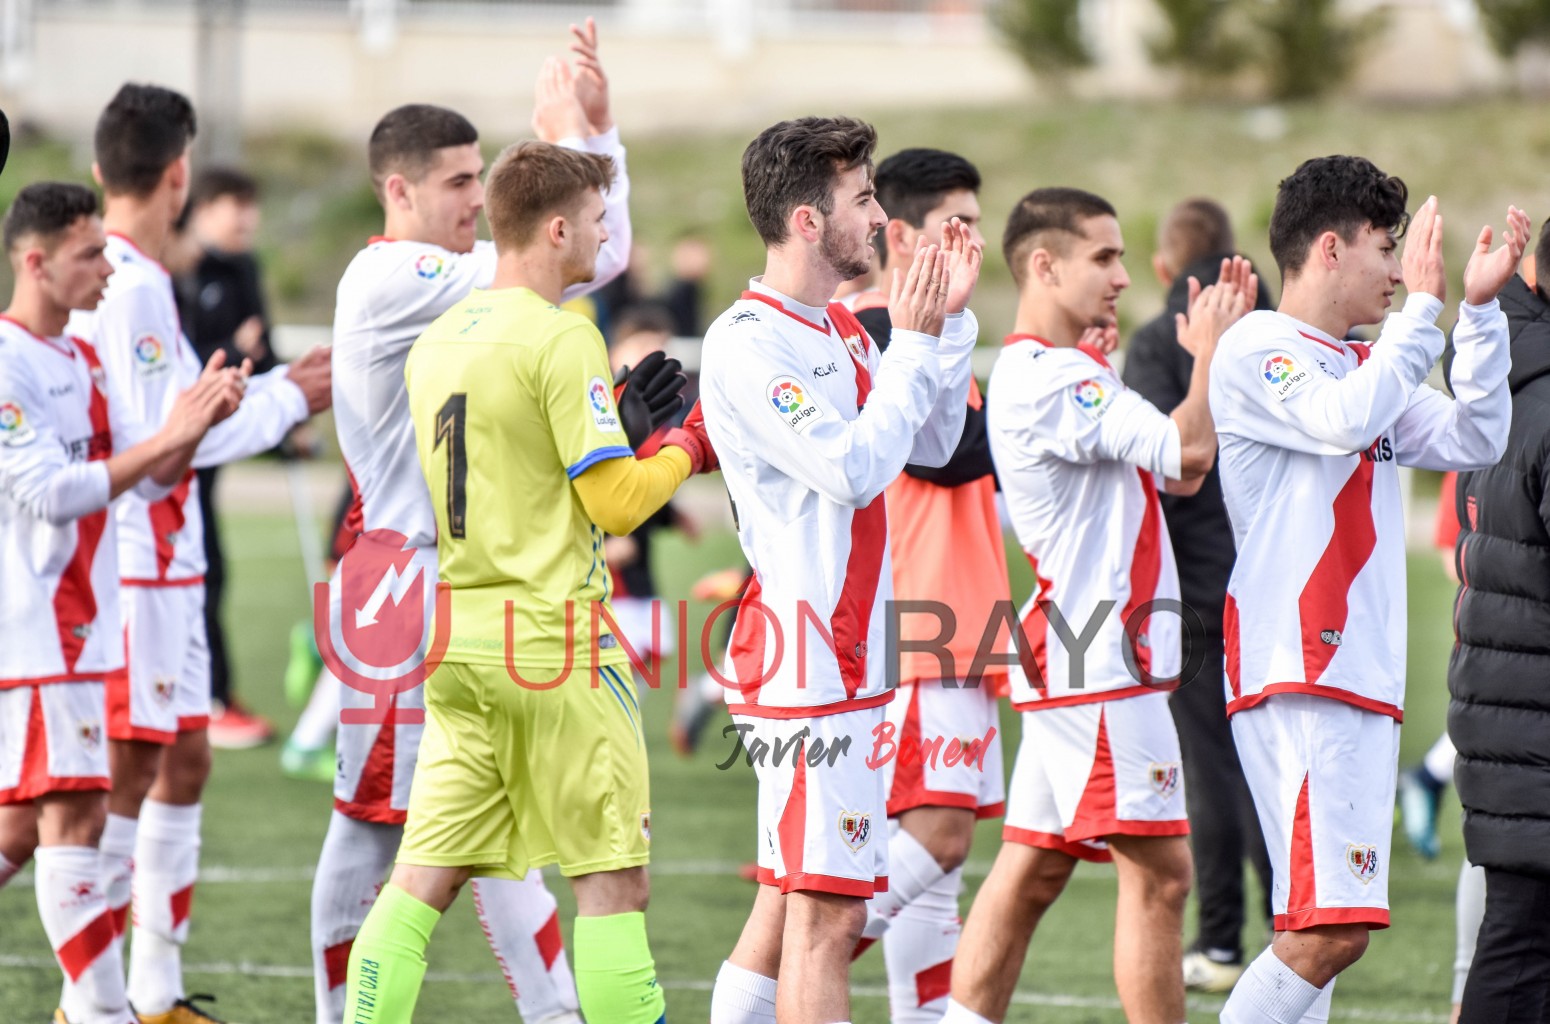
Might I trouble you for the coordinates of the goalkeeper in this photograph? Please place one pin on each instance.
(533, 751)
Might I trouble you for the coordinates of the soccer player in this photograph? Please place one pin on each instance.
(533, 751)
(811, 423)
(68, 446)
(944, 538)
(425, 166)
(1313, 431)
(158, 714)
(1097, 774)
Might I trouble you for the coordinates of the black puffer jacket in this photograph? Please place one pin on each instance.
(1499, 676)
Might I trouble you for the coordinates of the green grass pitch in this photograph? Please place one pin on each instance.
(263, 831)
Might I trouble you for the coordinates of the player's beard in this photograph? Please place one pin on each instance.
(846, 261)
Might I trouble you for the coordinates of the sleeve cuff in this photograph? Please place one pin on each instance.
(1484, 309)
(1423, 306)
(1172, 461)
(596, 455)
(604, 142)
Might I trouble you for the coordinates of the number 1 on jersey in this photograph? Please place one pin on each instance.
(450, 421)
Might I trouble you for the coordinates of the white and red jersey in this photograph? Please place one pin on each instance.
(137, 334)
(59, 604)
(810, 425)
(389, 295)
(1313, 431)
(1076, 453)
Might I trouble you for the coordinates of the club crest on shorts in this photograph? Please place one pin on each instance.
(162, 688)
(1164, 777)
(89, 733)
(855, 829)
(1362, 859)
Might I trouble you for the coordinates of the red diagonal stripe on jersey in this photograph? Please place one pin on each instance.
(182, 903)
(375, 786)
(1234, 650)
(746, 645)
(863, 571)
(1034, 654)
(120, 917)
(167, 518)
(83, 948)
(336, 963)
(1303, 894)
(550, 945)
(1145, 570)
(791, 830)
(1324, 604)
(933, 983)
(847, 324)
(75, 603)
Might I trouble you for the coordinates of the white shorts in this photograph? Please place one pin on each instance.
(52, 740)
(1086, 771)
(942, 745)
(167, 688)
(823, 826)
(1323, 774)
(374, 763)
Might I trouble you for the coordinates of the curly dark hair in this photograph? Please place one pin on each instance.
(795, 163)
(1342, 194)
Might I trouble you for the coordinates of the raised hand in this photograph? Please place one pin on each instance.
(314, 374)
(211, 398)
(1487, 271)
(1103, 339)
(1212, 310)
(557, 112)
(1238, 274)
(964, 259)
(591, 83)
(1422, 259)
(917, 298)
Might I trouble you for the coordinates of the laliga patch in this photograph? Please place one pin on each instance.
(795, 403)
(1283, 375)
(428, 266)
(855, 829)
(1164, 777)
(601, 397)
(151, 356)
(1091, 397)
(1362, 859)
(15, 430)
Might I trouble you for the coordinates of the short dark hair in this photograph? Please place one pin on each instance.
(1193, 230)
(45, 210)
(795, 163)
(1342, 194)
(407, 139)
(530, 181)
(143, 130)
(1041, 219)
(912, 182)
(217, 182)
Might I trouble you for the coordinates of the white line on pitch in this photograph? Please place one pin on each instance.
(1045, 999)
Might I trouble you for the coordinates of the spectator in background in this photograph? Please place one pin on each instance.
(1499, 680)
(685, 293)
(222, 304)
(1193, 239)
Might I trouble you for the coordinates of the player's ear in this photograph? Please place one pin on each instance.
(1160, 268)
(804, 224)
(1328, 248)
(32, 262)
(557, 231)
(1041, 267)
(395, 189)
(899, 236)
(96, 173)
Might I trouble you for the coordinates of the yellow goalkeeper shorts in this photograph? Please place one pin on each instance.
(511, 778)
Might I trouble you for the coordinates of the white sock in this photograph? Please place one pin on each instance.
(320, 718)
(7, 870)
(68, 880)
(522, 923)
(117, 850)
(918, 950)
(1318, 1013)
(957, 1013)
(355, 859)
(911, 871)
(1468, 912)
(1439, 760)
(742, 997)
(166, 868)
(1269, 993)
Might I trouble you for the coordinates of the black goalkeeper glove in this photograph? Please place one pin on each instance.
(648, 395)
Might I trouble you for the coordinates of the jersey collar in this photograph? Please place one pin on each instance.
(1085, 349)
(142, 253)
(68, 353)
(770, 300)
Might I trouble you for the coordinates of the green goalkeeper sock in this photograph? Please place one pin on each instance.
(616, 979)
(387, 960)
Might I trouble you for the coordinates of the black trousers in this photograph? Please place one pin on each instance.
(215, 585)
(1224, 829)
(1509, 981)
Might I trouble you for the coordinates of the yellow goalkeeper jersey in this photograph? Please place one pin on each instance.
(511, 400)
